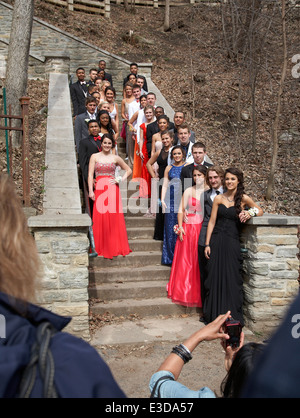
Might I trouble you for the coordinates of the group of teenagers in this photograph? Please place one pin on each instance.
(198, 207)
(41, 359)
(204, 206)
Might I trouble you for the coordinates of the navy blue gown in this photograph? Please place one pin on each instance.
(172, 199)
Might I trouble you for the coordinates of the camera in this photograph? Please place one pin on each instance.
(233, 328)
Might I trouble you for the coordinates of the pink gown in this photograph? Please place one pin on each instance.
(184, 283)
(109, 226)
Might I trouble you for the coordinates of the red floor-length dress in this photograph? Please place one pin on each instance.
(184, 284)
(109, 227)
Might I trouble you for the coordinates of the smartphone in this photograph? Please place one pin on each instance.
(233, 328)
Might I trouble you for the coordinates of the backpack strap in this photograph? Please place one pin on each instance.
(166, 377)
(41, 357)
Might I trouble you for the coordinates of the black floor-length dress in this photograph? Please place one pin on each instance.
(224, 283)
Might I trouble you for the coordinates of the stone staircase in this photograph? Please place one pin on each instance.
(135, 284)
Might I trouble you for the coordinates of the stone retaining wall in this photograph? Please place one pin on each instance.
(48, 40)
(271, 268)
(63, 244)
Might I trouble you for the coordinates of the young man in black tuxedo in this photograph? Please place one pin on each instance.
(214, 178)
(198, 153)
(134, 70)
(179, 119)
(93, 74)
(78, 92)
(107, 76)
(80, 127)
(88, 146)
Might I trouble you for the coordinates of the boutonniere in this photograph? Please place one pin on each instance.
(86, 120)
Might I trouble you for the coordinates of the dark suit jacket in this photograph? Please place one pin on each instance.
(81, 130)
(187, 173)
(78, 96)
(87, 147)
(108, 77)
(152, 129)
(207, 205)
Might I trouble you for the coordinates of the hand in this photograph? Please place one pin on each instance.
(214, 329)
(244, 215)
(207, 252)
(231, 352)
(181, 233)
(141, 155)
(163, 206)
(92, 195)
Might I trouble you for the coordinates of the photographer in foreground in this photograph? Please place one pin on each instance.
(238, 364)
(38, 359)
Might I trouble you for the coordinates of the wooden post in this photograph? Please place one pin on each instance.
(107, 8)
(70, 5)
(25, 150)
(155, 4)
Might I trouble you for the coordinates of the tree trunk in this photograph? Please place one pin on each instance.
(167, 16)
(18, 57)
(270, 185)
(126, 6)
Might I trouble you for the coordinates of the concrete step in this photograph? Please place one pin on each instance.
(125, 274)
(139, 221)
(129, 290)
(142, 244)
(134, 259)
(142, 308)
(140, 233)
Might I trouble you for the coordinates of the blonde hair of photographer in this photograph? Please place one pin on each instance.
(20, 266)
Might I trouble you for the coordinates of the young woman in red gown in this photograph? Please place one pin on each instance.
(109, 227)
(184, 284)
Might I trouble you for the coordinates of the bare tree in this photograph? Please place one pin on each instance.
(275, 125)
(18, 56)
(167, 16)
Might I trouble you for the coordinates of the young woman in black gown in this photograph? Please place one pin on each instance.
(161, 158)
(224, 284)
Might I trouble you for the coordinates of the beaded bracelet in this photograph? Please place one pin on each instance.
(182, 352)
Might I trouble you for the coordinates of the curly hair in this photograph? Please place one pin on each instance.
(20, 266)
(240, 187)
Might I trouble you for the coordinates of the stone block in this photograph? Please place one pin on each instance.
(70, 246)
(278, 240)
(287, 252)
(284, 274)
(73, 278)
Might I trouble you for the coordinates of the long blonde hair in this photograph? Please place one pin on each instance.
(20, 265)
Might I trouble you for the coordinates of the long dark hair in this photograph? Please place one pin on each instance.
(241, 367)
(240, 187)
(109, 126)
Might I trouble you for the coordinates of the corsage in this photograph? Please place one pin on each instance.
(118, 179)
(177, 229)
(253, 211)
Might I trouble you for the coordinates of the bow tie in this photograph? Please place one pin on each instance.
(97, 138)
(137, 100)
(82, 82)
